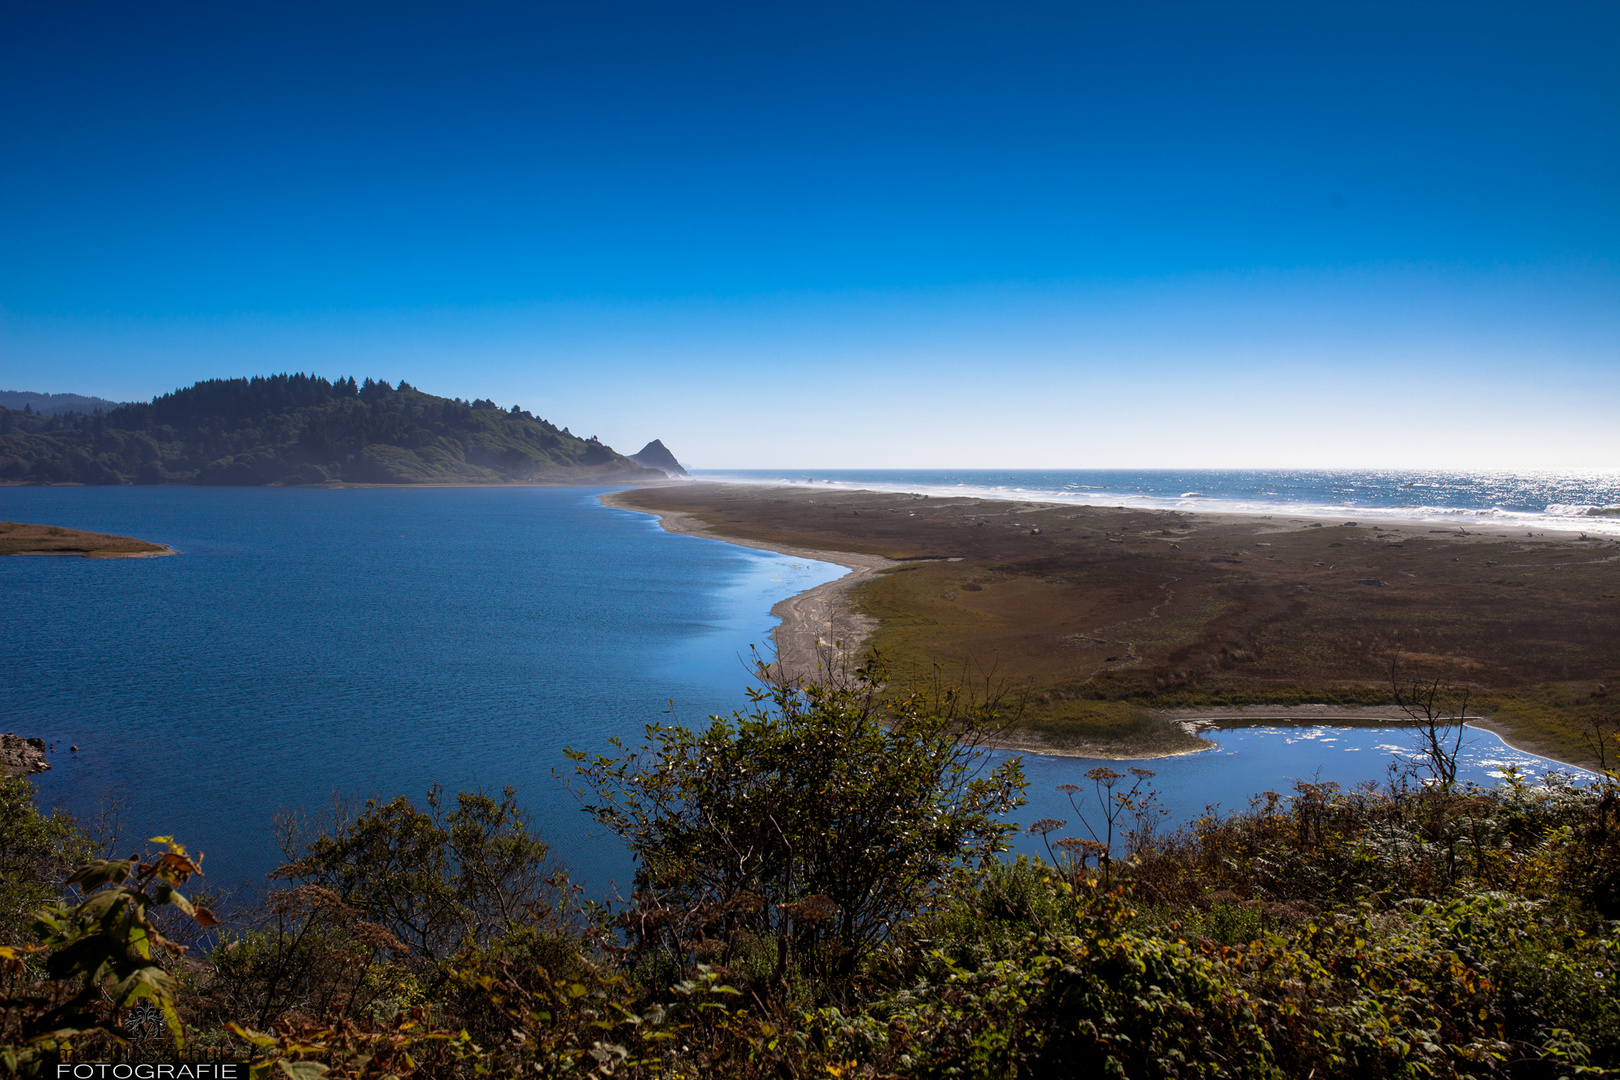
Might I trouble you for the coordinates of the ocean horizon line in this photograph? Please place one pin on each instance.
(1586, 501)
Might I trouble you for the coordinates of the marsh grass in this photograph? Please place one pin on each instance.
(1202, 647)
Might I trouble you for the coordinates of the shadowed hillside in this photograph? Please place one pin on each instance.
(53, 404)
(300, 429)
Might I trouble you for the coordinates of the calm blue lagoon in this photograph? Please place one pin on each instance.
(376, 641)
(364, 641)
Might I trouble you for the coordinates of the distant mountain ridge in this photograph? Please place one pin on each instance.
(55, 404)
(302, 429)
(655, 455)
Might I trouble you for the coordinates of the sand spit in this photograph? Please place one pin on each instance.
(1093, 607)
(162, 551)
(18, 538)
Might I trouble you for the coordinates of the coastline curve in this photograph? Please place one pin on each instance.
(820, 627)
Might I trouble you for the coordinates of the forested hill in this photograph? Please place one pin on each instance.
(51, 404)
(300, 429)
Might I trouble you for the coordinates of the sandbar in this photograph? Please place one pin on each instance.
(17, 538)
(1113, 619)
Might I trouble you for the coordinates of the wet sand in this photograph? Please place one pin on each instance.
(819, 627)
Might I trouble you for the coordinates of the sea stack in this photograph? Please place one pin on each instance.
(655, 455)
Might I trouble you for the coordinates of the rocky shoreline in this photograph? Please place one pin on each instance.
(22, 757)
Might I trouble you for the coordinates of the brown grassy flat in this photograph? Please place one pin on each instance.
(20, 539)
(1106, 608)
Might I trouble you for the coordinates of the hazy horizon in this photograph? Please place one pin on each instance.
(1026, 236)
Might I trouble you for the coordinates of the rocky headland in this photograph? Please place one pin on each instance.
(655, 455)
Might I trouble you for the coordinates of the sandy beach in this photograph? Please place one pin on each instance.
(1122, 624)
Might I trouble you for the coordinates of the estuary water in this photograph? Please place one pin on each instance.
(375, 641)
(1569, 501)
(1247, 761)
(364, 641)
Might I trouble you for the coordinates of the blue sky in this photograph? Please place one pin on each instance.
(908, 235)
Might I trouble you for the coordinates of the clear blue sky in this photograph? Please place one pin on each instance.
(864, 234)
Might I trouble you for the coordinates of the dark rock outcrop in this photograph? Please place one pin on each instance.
(20, 756)
(655, 455)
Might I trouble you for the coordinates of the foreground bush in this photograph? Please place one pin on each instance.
(37, 853)
(821, 892)
(794, 838)
(1027, 975)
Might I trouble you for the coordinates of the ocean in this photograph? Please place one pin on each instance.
(1570, 502)
(308, 645)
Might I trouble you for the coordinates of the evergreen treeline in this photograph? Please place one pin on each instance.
(51, 404)
(818, 895)
(300, 429)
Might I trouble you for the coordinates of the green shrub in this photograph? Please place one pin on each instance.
(819, 821)
(37, 853)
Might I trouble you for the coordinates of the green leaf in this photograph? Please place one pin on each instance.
(99, 872)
